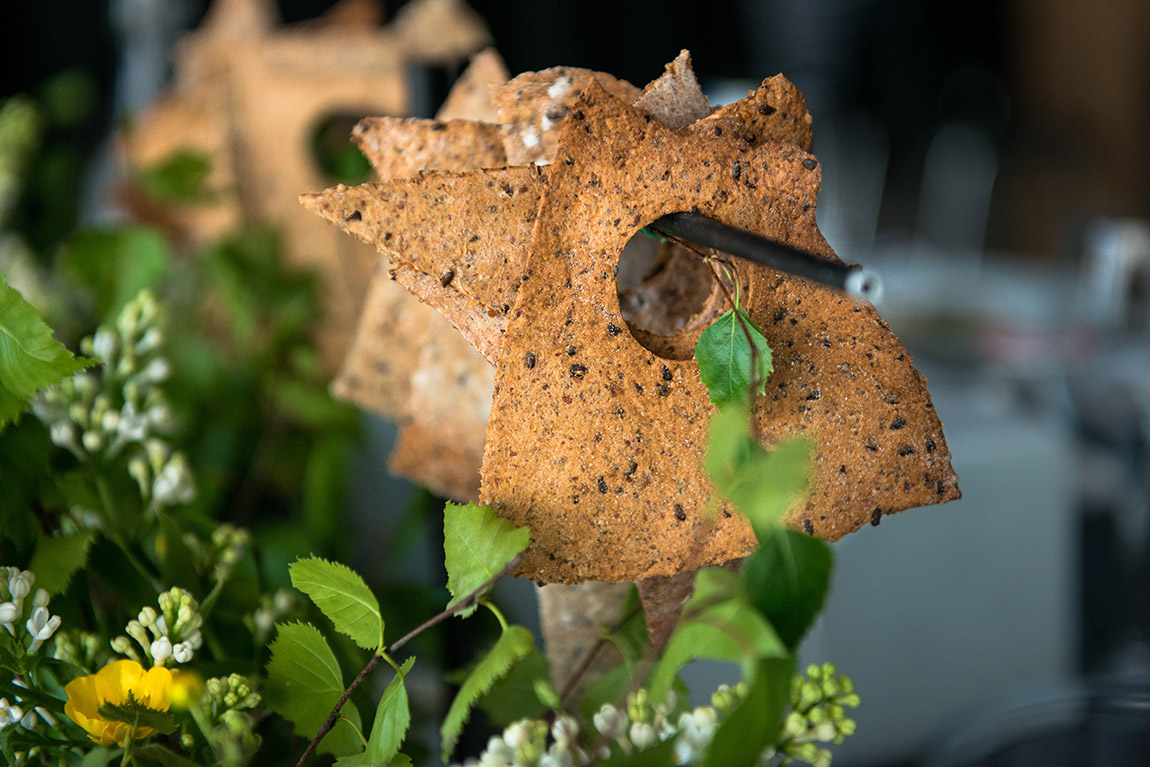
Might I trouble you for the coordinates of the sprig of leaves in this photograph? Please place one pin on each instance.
(30, 359)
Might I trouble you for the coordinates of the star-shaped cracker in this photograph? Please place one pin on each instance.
(251, 93)
(597, 431)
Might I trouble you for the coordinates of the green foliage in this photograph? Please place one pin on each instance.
(513, 644)
(754, 725)
(138, 715)
(733, 356)
(114, 266)
(304, 683)
(58, 558)
(718, 623)
(343, 597)
(392, 718)
(30, 358)
(477, 545)
(787, 581)
(178, 179)
(762, 484)
(517, 695)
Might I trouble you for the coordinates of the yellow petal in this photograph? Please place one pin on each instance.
(154, 689)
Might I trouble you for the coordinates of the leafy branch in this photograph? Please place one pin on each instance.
(467, 602)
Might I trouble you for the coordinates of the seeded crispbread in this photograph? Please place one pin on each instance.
(531, 107)
(440, 441)
(443, 225)
(775, 111)
(597, 430)
(398, 147)
(470, 96)
(675, 97)
(596, 442)
(440, 31)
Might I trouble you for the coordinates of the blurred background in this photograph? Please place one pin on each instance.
(989, 160)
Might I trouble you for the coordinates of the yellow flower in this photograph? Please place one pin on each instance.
(116, 683)
(187, 687)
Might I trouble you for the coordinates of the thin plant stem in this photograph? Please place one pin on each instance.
(462, 604)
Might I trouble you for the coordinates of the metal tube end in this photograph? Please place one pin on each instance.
(863, 283)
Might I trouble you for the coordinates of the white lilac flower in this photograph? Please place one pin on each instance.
(643, 735)
(174, 483)
(8, 613)
(157, 370)
(92, 441)
(20, 585)
(63, 434)
(610, 721)
(104, 344)
(557, 756)
(9, 714)
(41, 625)
(41, 598)
(182, 652)
(133, 425)
(497, 754)
(161, 650)
(565, 730)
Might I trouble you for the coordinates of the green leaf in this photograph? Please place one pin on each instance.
(137, 714)
(324, 486)
(343, 597)
(177, 562)
(787, 581)
(515, 696)
(477, 545)
(304, 684)
(56, 560)
(755, 724)
(180, 178)
(30, 359)
(117, 265)
(392, 718)
(97, 757)
(724, 354)
(762, 484)
(515, 643)
(165, 757)
(631, 638)
(718, 623)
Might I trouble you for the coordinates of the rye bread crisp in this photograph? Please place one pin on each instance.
(596, 442)
(532, 106)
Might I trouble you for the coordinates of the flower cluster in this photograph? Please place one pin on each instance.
(226, 702)
(171, 635)
(524, 744)
(634, 727)
(38, 623)
(641, 725)
(818, 715)
(122, 411)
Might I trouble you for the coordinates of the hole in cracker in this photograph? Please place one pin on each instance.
(333, 151)
(667, 295)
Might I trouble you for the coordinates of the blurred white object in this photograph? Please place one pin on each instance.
(1115, 284)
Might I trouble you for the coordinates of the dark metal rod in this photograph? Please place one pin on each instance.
(702, 230)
